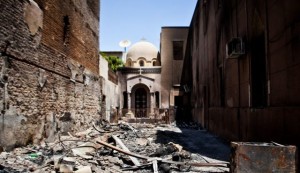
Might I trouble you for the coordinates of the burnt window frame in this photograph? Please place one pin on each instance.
(178, 49)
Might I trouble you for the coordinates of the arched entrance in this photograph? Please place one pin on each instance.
(141, 100)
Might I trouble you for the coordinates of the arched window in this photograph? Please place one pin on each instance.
(154, 63)
(128, 62)
(141, 62)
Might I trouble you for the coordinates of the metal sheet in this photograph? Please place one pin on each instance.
(262, 157)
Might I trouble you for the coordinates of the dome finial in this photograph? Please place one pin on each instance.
(143, 39)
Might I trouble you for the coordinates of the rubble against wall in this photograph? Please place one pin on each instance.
(122, 147)
(39, 97)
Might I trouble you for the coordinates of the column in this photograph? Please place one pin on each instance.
(129, 113)
(129, 101)
(152, 103)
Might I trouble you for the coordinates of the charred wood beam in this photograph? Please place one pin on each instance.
(220, 164)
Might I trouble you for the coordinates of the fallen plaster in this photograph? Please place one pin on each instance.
(11, 123)
(76, 69)
(87, 76)
(33, 16)
(42, 78)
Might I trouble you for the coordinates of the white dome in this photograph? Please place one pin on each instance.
(142, 49)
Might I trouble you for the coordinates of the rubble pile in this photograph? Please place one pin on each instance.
(106, 147)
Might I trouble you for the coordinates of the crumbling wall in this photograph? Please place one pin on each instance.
(49, 80)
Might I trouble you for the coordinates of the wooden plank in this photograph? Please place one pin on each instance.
(123, 146)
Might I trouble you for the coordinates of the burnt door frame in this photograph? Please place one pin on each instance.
(140, 102)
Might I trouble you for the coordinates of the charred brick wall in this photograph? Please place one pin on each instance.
(254, 97)
(49, 68)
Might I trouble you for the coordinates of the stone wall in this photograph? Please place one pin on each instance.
(49, 81)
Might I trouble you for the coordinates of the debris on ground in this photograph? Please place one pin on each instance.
(111, 148)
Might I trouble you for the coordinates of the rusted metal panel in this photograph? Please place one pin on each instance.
(262, 157)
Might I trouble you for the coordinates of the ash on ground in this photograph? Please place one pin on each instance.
(143, 148)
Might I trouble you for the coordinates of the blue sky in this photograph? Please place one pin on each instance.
(137, 19)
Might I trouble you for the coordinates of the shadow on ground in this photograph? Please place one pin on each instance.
(196, 141)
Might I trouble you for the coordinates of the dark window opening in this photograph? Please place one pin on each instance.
(178, 50)
(141, 63)
(154, 63)
(125, 97)
(66, 30)
(157, 99)
(258, 72)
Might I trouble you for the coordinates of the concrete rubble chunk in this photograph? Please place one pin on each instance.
(85, 169)
(84, 149)
(56, 160)
(65, 168)
(69, 159)
(142, 141)
(83, 133)
(177, 146)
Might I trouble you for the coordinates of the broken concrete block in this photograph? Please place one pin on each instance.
(84, 150)
(3, 155)
(65, 168)
(115, 160)
(69, 159)
(84, 169)
(141, 141)
(56, 159)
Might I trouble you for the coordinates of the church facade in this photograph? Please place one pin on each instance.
(148, 81)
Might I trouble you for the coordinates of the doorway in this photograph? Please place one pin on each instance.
(140, 102)
(179, 108)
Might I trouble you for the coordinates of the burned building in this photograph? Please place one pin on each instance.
(49, 68)
(241, 69)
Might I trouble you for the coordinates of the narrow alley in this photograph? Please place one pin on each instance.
(219, 92)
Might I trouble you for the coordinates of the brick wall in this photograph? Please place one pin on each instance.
(37, 61)
(224, 95)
